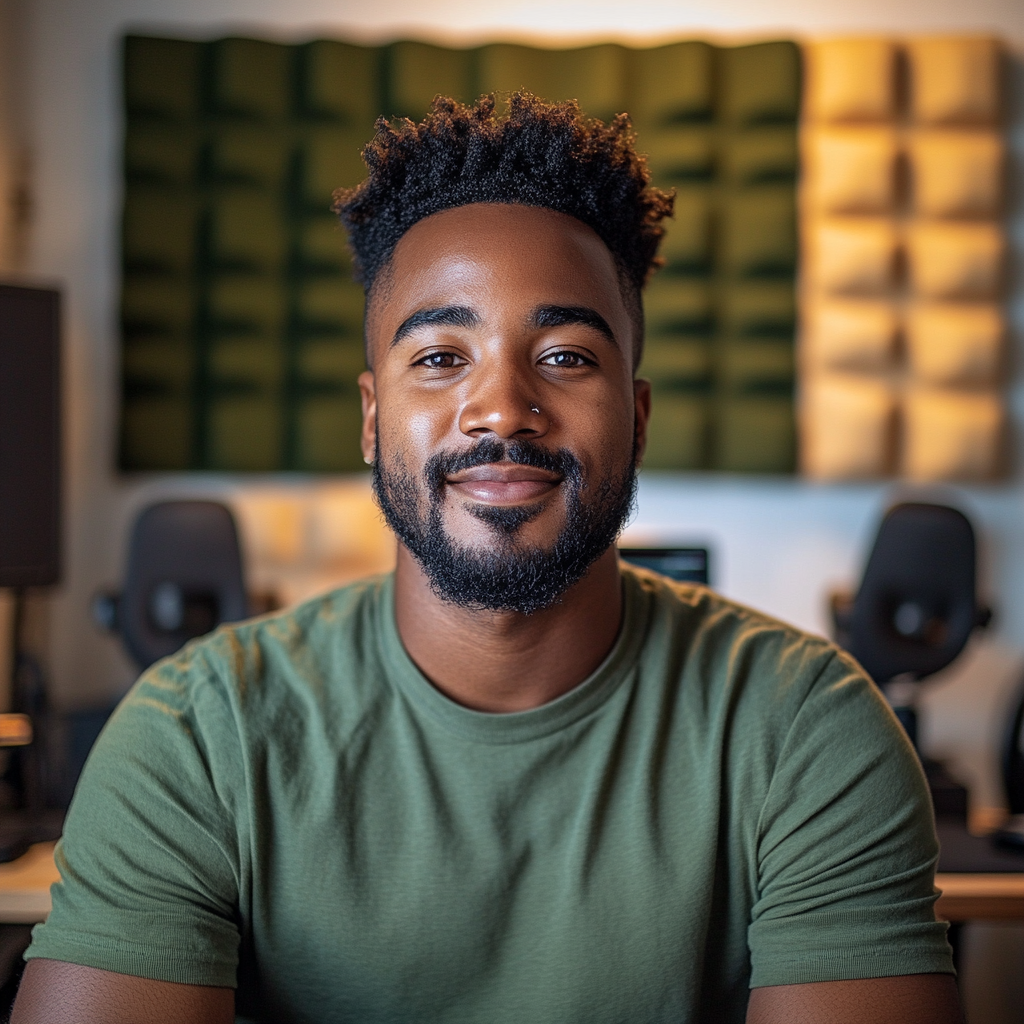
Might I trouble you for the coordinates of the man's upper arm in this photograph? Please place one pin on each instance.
(151, 858)
(54, 992)
(846, 847)
(910, 999)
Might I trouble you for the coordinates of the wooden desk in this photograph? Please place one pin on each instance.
(25, 886)
(981, 897)
(25, 892)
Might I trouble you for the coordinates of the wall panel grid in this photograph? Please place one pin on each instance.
(902, 331)
(242, 329)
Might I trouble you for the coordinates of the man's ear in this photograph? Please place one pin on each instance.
(368, 395)
(641, 416)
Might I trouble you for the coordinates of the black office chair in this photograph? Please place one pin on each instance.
(913, 614)
(184, 578)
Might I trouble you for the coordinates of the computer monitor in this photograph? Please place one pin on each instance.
(29, 436)
(688, 565)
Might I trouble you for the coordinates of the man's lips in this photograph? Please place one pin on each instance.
(503, 483)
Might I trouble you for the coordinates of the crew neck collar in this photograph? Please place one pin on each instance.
(516, 726)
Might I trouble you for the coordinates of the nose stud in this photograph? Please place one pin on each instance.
(534, 408)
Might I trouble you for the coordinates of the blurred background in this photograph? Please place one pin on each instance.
(839, 326)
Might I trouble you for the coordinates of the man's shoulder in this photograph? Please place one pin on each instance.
(718, 642)
(302, 646)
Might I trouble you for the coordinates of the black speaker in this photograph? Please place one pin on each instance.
(30, 432)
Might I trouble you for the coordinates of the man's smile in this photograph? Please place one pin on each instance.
(503, 483)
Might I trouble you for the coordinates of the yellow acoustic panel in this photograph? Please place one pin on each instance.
(951, 435)
(954, 80)
(850, 170)
(950, 261)
(852, 255)
(953, 344)
(957, 173)
(850, 334)
(846, 427)
(850, 80)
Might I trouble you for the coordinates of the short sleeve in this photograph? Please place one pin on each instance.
(149, 859)
(846, 846)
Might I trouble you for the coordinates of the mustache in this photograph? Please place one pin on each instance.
(488, 451)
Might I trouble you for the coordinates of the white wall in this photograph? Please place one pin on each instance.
(779, 544)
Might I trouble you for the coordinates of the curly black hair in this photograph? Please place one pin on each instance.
(538, 154)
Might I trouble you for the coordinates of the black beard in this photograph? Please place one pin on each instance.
(507, 577)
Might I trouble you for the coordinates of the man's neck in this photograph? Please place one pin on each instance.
(505, 661)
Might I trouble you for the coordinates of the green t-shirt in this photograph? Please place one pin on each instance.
(289, 806)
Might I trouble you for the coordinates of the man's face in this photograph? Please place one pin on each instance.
(501, 411)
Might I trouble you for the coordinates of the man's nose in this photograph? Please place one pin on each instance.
(502, 403)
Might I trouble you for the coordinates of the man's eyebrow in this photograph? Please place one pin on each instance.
(560, 316)
(449, 316)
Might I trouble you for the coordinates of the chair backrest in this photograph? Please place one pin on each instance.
(1013, 758)
(916, 606)
(184, 577)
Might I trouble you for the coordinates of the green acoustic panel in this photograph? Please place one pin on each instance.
(759, 84)
(251, 78)
(680, 156)
(679, 307)
(243, 330)
(672, 84)
(331, 158)
(758, 309)
(159, 231)
(755, 434)
(419, 72)
(687, 247)
(158, 366)
(156, 307)
(328, 435)
(247, 306)
(332, 364)
(327, 306)
(759, 156)
(758, 232)
(681, 364)
(596, 76)
(156, 433)
(757, 366)
(245, 365)
(249, 155)
(245, 432)
(338, 82)
(678, 434)
(247, 233)
(162, 77)
(322, 248)
(162, 155)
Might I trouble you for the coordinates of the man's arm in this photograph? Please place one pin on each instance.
(54, 992)
(911, 999)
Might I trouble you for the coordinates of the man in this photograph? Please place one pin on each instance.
(515, 781)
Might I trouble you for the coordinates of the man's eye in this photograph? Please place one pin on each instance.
(439, 361)
(567, 359)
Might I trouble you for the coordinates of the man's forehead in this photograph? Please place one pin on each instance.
(475, 229)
